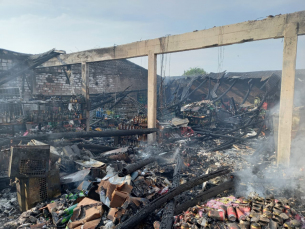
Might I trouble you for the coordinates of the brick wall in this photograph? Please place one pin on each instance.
(7, 62)
(104, 77)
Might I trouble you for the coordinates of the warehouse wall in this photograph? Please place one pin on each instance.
(104, 77)
(5, 64)
(13, 87)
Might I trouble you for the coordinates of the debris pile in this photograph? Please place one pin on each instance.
(197, 176)
(169, 185)
(96, 193)
(251, 212)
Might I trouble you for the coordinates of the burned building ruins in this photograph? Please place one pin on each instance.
(92, 140)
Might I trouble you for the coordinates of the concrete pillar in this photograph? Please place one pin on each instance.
(85, 92)
(287, 94)
(152, 95)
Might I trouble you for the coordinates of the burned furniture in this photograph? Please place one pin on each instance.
(36, 179)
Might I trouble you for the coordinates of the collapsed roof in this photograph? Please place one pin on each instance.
(240, 85)
(23, 63)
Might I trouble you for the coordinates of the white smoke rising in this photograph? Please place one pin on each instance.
(263, 175)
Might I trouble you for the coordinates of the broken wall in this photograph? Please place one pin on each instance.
(104, 77)
(9, 59)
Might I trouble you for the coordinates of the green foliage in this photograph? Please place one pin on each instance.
(194, 72)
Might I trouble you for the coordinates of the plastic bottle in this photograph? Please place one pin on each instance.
(64, 219)
(69, 210)
(72, 196)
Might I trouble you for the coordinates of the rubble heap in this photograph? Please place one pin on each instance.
(133, 187)
(211, 154)
(251, 212)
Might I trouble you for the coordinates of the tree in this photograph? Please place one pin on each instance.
(195, 72)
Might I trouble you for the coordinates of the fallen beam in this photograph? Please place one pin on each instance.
(168, 213)
(135, 166)
(204, 196)
(91, 134)
(133, 221)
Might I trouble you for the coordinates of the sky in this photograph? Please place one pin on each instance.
(36, 26)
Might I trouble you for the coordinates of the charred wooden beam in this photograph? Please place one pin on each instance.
(110, 133)
(168, 213)
(135, 166)
(224, 105)
(204, 196)
(192, 92)
(183, 99)
(117, 102)
(234, 106)
(247, 94)
(157, 203)
(98, 101)
(233, 141)
(178, 168)
(30, 85)
(223, 94)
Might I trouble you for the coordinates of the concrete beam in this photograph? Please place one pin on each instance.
(271, 27)
(287, 94)
(152, 95)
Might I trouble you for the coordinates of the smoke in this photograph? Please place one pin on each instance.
(177, 151)
(262, 174)
(166, 155)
